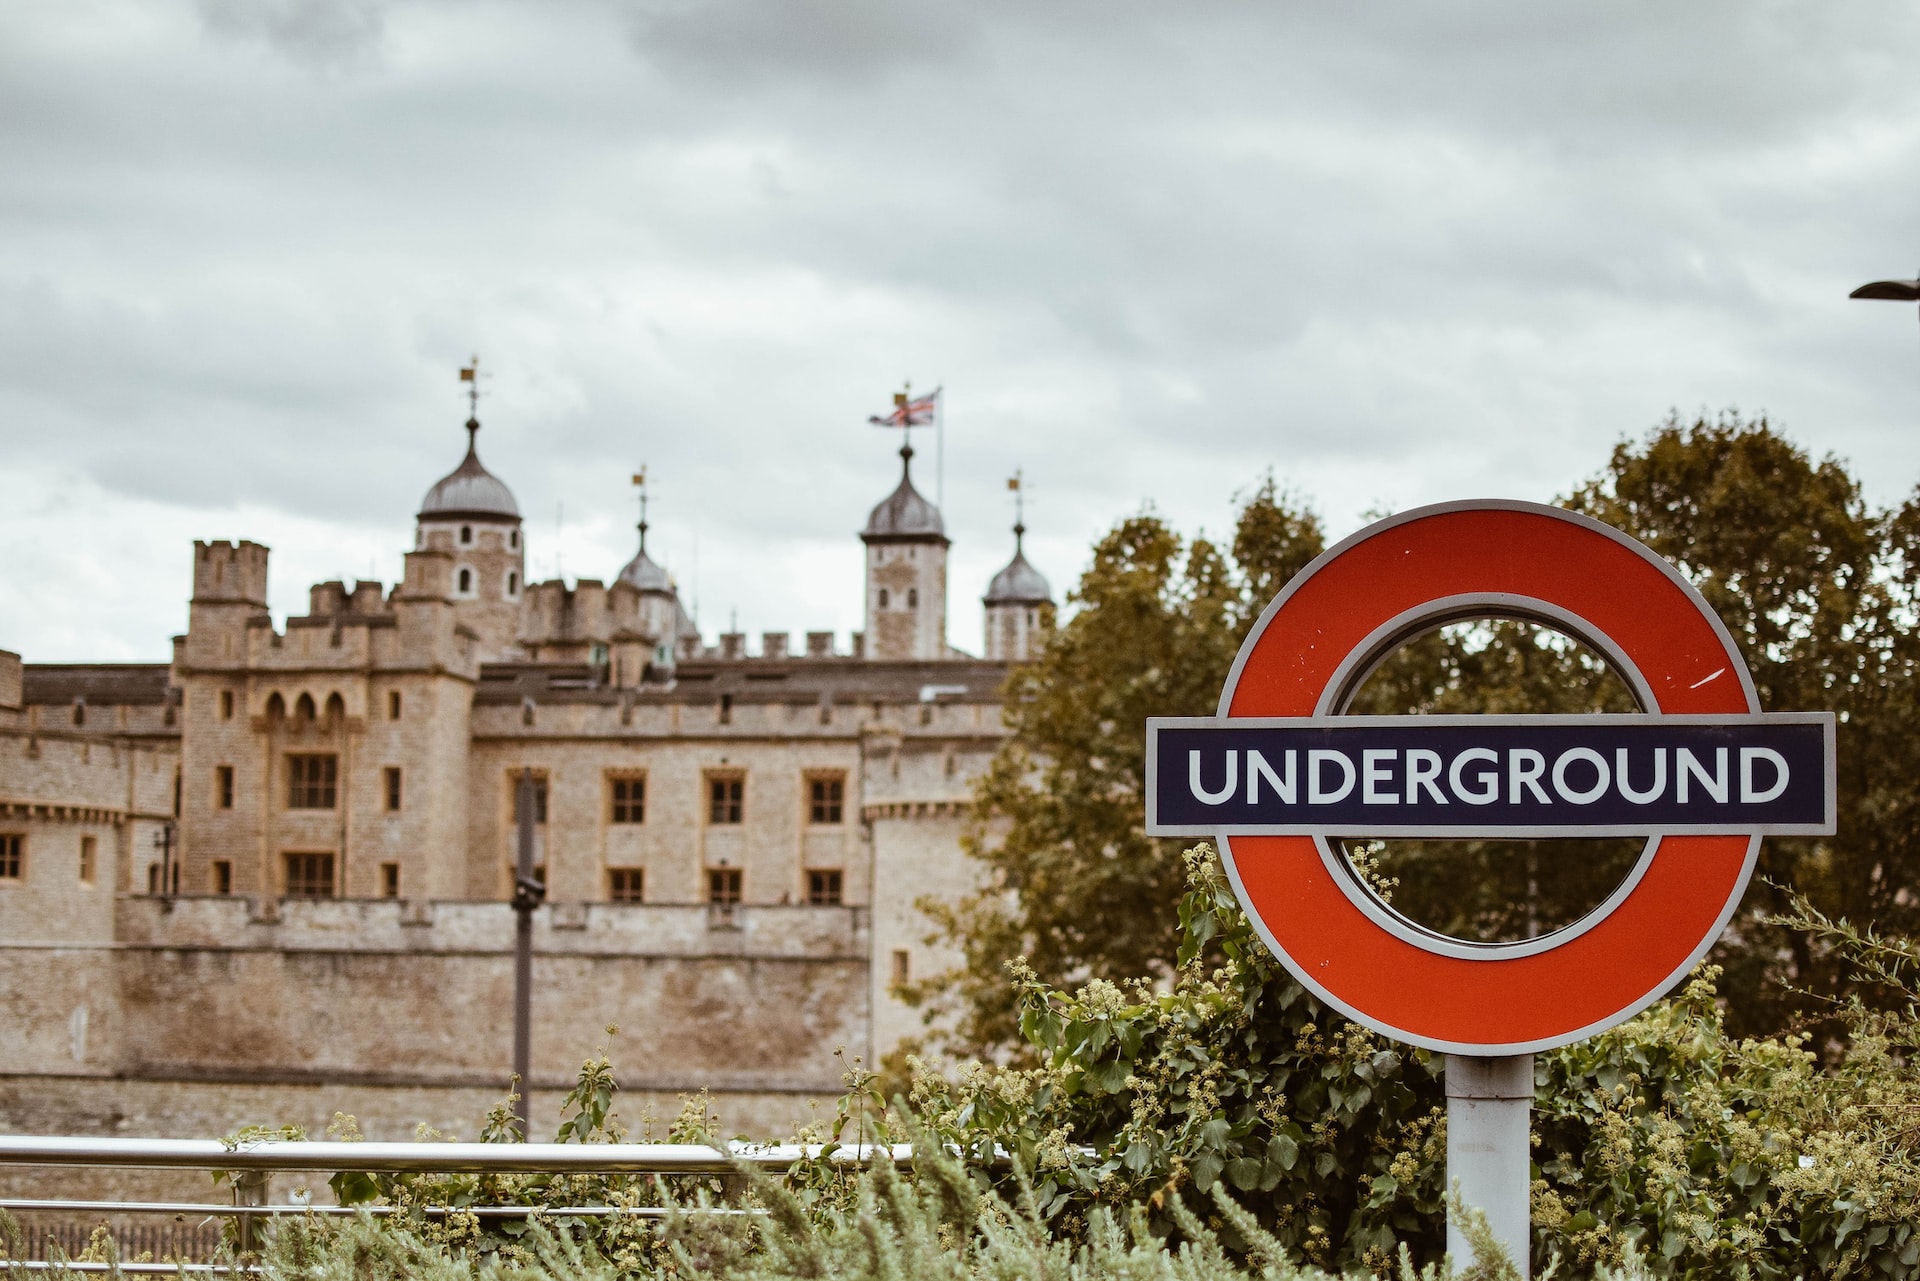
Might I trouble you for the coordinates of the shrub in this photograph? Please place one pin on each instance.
(1715, 1156)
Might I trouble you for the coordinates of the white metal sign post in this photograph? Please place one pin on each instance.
(1280, 773)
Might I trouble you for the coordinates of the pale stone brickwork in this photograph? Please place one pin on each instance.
(733, 844)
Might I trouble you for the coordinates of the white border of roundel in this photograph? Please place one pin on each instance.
(1352, 671)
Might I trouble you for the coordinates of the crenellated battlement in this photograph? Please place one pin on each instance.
(732, 834)
(230, 572)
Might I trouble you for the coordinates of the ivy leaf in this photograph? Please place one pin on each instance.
(354, 1187)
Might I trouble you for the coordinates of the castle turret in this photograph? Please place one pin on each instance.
(470, 515)
(659, 611)
(1019, 607)
(229, 595)
(906, 574)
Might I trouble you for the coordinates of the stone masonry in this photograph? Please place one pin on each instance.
(269, 880)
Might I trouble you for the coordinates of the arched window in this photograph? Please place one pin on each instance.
(276, 706)
(883, 598)
(913, 598)
(513, 539)
(466, 534)
(513, 582)
(466, 580)
(303, 710)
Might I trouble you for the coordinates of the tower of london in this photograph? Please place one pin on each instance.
(269, 879)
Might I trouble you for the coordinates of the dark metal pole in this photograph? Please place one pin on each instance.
(527, 893)
(164, 839)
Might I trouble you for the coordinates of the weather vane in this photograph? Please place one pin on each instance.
(640, 483)
(470, 375)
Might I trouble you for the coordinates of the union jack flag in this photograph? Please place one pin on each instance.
(909, 413)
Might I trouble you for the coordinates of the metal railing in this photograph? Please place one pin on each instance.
(254, 1163)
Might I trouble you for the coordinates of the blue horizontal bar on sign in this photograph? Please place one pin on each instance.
(1467, 776)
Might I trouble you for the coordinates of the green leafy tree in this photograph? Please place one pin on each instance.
(1815, 588)
(1073, 882)
(1821, 593)
(1494, 890)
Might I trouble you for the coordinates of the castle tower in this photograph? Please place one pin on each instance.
(229, 595)
(659, 616)
(1019, 607)
(906, 574)
(470, 516)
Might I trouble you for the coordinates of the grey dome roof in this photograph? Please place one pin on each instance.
(470, 490)
(1019, 583)
(643, 573)
(905, 513)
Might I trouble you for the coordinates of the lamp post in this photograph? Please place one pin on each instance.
(528, 891)
(169, 877)
(1889, 290)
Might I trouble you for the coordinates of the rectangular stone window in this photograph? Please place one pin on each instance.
(89, 858)
(626, 885)
(823, 887)
(723, 886)
(389, 880)
(223, 787)
(309, 875)
(311, 779)
(222, 876)
(902, 967)
(539, 797)
(226, 704)
(393, 704)
(826, 799)
(726, 799)
(629, 799)
(390, 787)
(13, 856)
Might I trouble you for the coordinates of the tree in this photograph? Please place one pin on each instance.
(1073, 883)
(1821, 593)
(1816, 590)
(1494, 890)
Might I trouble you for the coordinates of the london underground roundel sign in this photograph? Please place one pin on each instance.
(1280, 772)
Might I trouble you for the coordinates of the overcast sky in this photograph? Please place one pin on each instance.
(1396, 254)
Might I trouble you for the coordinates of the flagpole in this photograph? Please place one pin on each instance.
(940, 445)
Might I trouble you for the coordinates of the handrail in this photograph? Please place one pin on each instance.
(301, 1208)
(289, 1154)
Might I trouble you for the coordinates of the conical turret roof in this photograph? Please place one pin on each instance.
(1019, 583)
(644, 572)
(905, 513)
(470, 490)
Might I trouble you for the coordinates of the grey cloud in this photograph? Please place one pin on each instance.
(1396, 255)
(842, 42)
(321, 35)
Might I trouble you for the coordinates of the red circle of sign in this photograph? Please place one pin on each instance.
(1599, 975)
